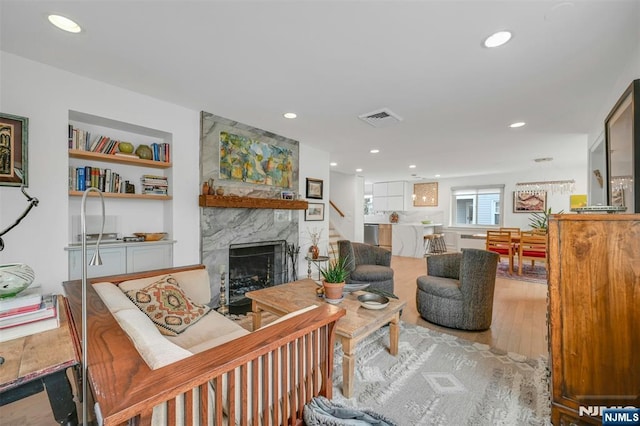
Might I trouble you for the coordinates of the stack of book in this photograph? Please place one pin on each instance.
(27, 313)
(157, 185)
(81, 178)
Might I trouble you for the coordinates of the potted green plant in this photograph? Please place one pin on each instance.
(334, 276)
(541, 220)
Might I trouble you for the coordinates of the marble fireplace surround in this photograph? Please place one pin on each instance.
(221, 227)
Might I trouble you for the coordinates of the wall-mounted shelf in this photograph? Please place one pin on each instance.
(96, 156)
(251, 203)
(122, 195)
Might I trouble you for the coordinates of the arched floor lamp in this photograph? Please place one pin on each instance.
(95, 260)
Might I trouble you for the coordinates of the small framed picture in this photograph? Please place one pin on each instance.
(314, 188)
(288, 195)
(529, 202)
(315, 211)
(13, 150)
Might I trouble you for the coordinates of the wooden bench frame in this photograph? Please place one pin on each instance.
(126, 389)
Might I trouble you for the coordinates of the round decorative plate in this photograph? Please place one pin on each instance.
(373, 301)
(349, 288)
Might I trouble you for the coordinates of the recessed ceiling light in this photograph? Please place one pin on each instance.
(333, 164)
(517, 124)
(497, 39)
(412, 166)
(374, 151)
(64, 24)
(358, 170)
(290, 115)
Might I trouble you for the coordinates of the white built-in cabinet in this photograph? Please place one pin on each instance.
(122, 258)
(391, 196)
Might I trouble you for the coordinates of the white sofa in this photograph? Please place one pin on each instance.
(137, 372)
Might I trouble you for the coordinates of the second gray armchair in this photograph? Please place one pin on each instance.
(457, 291)
(368, 264)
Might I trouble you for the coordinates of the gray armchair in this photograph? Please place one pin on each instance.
(457, 291)
(368, 264)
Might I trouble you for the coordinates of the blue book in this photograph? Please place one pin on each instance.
(156, 152)
(80, 179)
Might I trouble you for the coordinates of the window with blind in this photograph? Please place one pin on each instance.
(477, 205)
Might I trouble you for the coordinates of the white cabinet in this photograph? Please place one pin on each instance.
(122, 258)
(391, 196)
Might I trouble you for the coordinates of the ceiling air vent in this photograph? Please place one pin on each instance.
(381, 118)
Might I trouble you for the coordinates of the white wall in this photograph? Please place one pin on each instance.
(313, 164)
(348, 194)
(45, 95)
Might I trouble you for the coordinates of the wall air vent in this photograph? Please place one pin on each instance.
(381, 118)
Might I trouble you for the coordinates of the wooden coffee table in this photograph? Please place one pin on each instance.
(357, 324)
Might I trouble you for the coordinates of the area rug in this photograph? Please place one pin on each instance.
(535, 274)
(438, 379)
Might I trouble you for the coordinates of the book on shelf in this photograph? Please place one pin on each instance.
(33, 327)
(31, 297)
(46, 309)
(126, 154)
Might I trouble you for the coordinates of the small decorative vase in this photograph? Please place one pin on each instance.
(314, 252)
(205, 188)
(14, 278)
(394, 217)
(144, 152)
(333, 291)
(126, 147)
(220, 191)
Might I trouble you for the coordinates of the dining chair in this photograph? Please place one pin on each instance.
(533, 247)
(515, 231)
(501, 242)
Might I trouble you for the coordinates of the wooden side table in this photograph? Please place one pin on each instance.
(317, 262)
(40, 361)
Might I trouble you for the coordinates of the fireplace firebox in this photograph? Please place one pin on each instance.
(253, 266)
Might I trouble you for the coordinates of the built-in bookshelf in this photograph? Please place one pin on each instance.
(146, 206)
(95, 159)
(115, 159)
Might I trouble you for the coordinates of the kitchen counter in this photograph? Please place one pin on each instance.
(408, 238)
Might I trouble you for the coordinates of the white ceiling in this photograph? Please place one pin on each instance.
(331, 61)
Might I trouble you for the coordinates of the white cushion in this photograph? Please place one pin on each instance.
(212, 330)
(150, 343)
(113, 298)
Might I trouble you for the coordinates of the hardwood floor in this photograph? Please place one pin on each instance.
(519, 311)
(519, 325)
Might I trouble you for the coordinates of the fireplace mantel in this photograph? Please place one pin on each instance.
(231, 201)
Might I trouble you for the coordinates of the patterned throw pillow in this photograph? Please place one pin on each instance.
(167, 306)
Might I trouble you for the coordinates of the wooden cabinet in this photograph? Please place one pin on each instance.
(384, 236)
(594, 314)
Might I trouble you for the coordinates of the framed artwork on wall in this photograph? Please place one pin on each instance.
(315, 212)
(425, 194)
(314, 188)
(13, 150)
(529, 202)
(622, 136)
